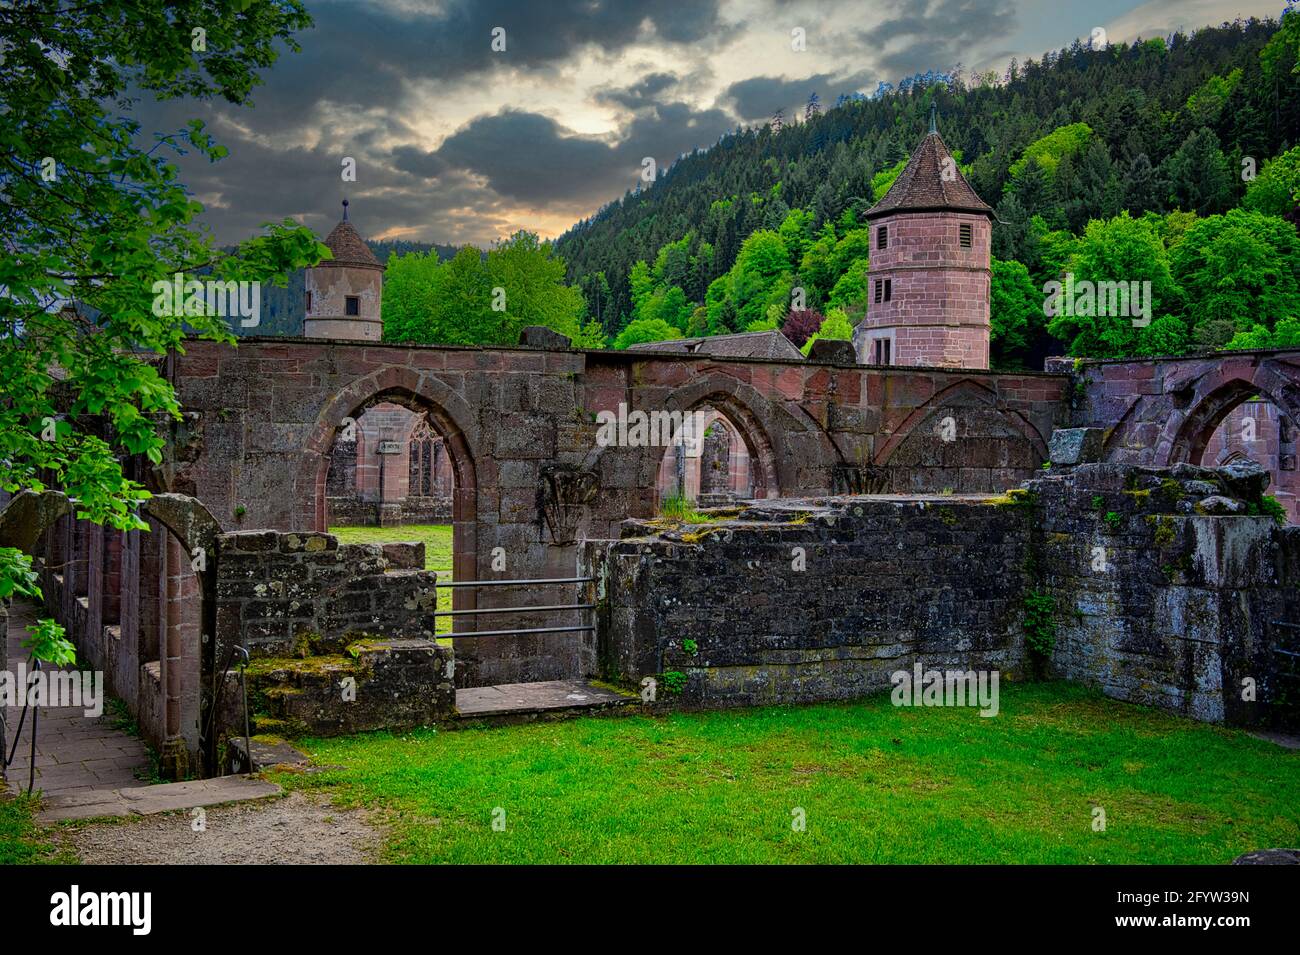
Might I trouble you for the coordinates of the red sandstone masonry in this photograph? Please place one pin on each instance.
(505, 413)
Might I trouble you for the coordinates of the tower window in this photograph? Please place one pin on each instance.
(880, 291)
(881, 354)
(352, 305)
(889, 289)
(309, 301)
(884, 290)
(965, 236)
(882, 237)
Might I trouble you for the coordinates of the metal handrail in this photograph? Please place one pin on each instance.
(27, 704)
(540, 582)
(461, 613)
(461, 635)
(517, 583)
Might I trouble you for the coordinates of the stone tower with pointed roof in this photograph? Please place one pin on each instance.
(929, 283)
(344, 293)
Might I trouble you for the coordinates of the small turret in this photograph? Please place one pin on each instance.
(344, 293)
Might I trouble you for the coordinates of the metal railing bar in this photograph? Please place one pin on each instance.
(510, 633)
(466, 613)
(517, 583)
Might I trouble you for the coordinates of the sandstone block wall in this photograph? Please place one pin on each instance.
(884, 584)
(279, 594)
(264, 417)
(1156, 595)
(1152, 598)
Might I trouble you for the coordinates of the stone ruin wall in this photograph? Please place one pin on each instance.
(1178, 611)
(313, 614)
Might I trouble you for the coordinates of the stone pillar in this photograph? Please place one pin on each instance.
(181, 590)
(111, 590)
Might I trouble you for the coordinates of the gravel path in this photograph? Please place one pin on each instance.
(293, 830)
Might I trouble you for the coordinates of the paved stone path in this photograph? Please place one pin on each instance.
(150, 800)
(74, 752)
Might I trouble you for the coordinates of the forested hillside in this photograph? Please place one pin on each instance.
(1118, 164)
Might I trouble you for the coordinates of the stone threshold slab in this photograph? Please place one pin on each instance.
(148, 800)
(520, 699)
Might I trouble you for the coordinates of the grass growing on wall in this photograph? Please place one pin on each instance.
(437, 550)
(877, 783)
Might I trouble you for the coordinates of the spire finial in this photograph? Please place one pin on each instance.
(934, 117)
(345, 207)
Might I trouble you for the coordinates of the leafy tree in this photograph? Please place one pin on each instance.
(796, 235)
(1206, 105)
(1047, 152)
(1285, 335)
(1237, 267)
(1016, 312)
(412, 293)
(883, 181)
(591, 335)
(645, 330)
(1276, 190)
(851, 289)
(93, 215)
(532, 279)
(1122, 249)
(836, 325)
(760, 277)
(800, 324)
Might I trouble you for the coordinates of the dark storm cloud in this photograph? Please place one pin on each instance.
(347, 91)
(757, 98)
(528, 157)
(935, 35)
(644, 92)
(531, 158)
(362, 54)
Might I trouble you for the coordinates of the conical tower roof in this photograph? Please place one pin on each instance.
(348, 247)
(923, 185)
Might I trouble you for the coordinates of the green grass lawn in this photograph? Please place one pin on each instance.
(876, 783)
(437, 550)
(21, 842)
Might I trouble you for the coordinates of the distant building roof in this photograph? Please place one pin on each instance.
(924, 186)
(771, 344)
(348, 247)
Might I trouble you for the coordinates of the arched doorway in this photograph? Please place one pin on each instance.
(711, 467)
(399, 468)
(1237, 423)
(961, 441)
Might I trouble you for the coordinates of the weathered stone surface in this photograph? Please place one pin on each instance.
(373, 684)
(404, 555)
(1244, 479)
(1218, 504)
(540, 336)
(824, 599)
(834, 351)
(1269, 857)
(1070, 446)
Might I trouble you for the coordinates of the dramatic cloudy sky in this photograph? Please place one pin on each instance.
(456, 143)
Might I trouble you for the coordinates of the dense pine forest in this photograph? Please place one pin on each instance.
(1169, 160)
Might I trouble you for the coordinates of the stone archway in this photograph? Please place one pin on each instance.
(789, 453)
(185, 639)
(448, 414)
(1186, 436)
(962, 439)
